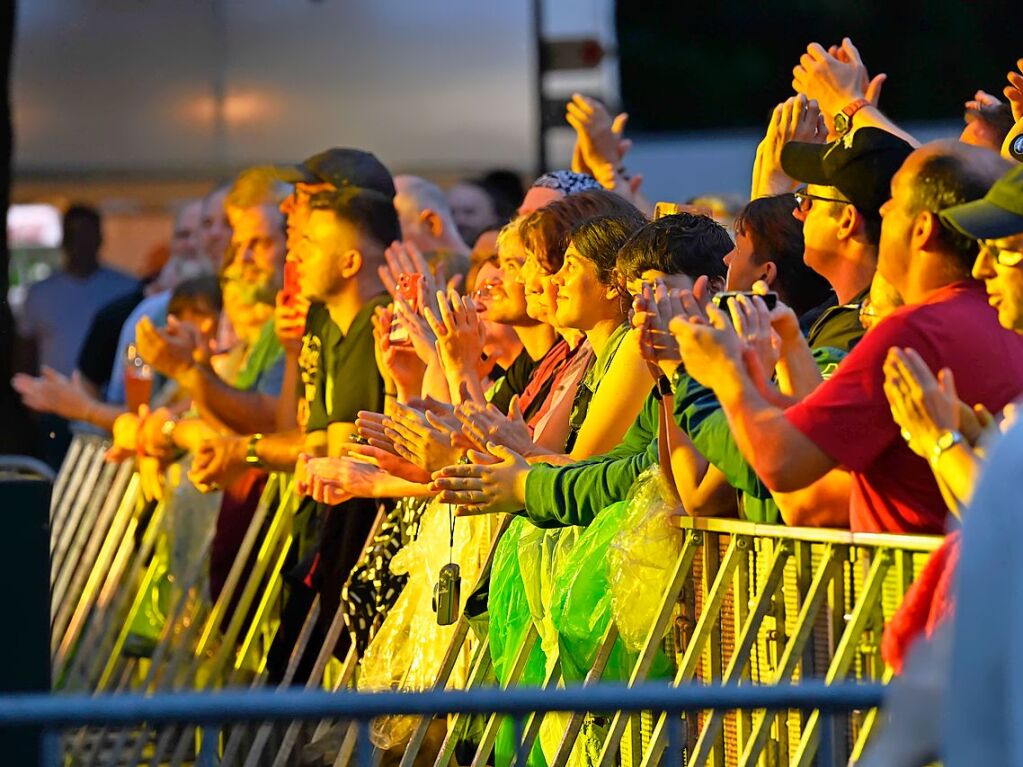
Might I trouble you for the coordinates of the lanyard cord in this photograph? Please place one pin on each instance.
(451, 527)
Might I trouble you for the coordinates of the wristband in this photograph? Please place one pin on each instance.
(251, 457)
(662, 388)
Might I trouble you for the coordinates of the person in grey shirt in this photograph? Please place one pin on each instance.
(59, 310)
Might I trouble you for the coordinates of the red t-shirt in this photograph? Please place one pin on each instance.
(848, 416)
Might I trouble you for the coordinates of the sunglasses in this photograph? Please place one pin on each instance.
(804, 200)
(1001, 256)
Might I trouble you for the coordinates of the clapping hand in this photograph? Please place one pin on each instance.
(923, 405)
(834, 78)
(798, 118)
(651, 313)
(484, 486)
(486, 424)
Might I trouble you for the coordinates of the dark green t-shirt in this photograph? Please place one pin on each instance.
(339, 371)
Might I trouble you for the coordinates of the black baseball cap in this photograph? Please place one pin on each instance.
(998, 214)
(860, 165)
(342, 168)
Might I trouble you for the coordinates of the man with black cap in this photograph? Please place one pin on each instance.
(341, 217)
(847, 420)
(847, 182)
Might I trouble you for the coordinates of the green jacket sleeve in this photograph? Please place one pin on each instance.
(561, 496)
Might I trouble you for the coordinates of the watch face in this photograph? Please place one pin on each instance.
(841, 123)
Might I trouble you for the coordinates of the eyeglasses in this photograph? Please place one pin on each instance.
(804, 200)
(1001, 256)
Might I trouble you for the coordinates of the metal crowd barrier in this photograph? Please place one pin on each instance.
(748, 608)
(215, 709)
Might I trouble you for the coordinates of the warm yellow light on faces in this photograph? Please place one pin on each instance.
(650, 276)
(296, 207)
(540, 292)
(257, 243)
(328, 255)
(1000, 265)
(582, 299)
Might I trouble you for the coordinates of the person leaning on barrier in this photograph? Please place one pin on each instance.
(846, 421)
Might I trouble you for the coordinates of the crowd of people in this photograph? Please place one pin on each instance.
(841, 351)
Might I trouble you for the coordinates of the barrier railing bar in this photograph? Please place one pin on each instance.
(489, 736)
(846, 647)
(333, 634)
(278, 537)
(684, 566)
(743, 646)
(870, 722)
(454, 649)
(478, 670)
(86, 498)
(81, 554)
(446, 667)
(67, 468)
(575, 723)
(812, 603)
(738, 547)
(923, 543)
(62, 711)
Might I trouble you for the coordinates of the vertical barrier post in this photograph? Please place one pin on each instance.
(25, 561)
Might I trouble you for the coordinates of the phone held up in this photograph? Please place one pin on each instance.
(408, 289)
(721, 299)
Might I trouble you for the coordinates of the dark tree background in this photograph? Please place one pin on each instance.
(688, 66)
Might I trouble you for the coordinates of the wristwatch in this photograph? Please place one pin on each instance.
(843, 120)
(251, 458)
(945, 442)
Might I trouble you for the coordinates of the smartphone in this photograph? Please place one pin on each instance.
(291, 288)
(408, 289)
(721, 299)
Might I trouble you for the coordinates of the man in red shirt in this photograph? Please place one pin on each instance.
(847, 421)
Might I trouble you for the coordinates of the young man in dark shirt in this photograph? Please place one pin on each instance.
(341, 218)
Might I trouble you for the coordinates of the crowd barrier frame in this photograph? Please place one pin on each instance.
(746, 607)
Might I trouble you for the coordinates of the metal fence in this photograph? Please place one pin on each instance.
(748, 609)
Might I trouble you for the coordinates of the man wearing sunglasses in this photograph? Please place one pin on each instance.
(997, 223)
(846, 182)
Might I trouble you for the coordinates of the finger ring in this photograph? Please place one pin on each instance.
(906, 435)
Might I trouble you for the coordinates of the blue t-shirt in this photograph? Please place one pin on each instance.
(60, 309)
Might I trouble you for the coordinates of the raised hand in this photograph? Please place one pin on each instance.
(798, 118)
(849, 54)
(171, 351)
(752, 322)
(830, 81)
(404, 258)
(420, 442)
(487, 424)
(290, 311)
(52, 392)
(651, 315)
(599, 136)
(459, 333)
(398, 363)
(218, 461)
(1014, 91)
(712, 351)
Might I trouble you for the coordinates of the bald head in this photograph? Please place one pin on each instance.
(425, 215)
